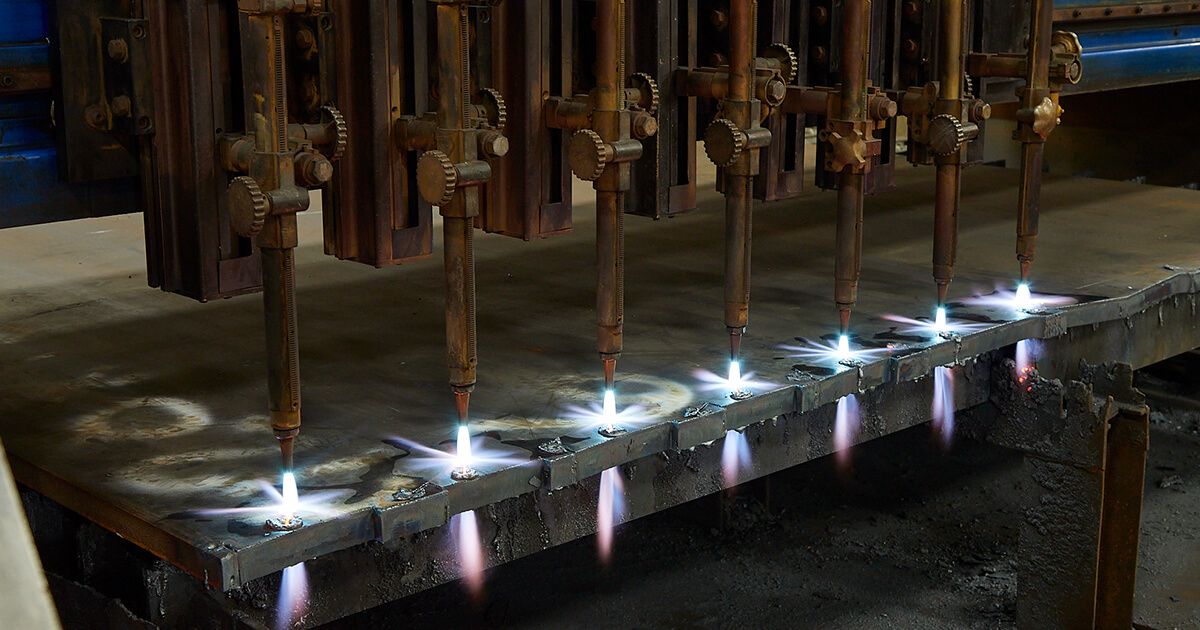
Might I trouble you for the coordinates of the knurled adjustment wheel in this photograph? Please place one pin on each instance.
(436, 177)
(341, 133)
(586, 155)
(649, 90)
(946, 134)
(724, 142)
(788, 61)
(493, 104)
(248, 206)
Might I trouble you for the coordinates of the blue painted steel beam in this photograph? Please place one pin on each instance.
(1115, 58)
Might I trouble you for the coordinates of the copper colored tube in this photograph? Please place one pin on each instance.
(946, 191)
(608, 98)
(457, 228)
(1037, 87)
(848, 256)
(739, 181)
(738, 229)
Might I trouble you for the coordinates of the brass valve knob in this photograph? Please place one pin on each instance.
(849, 149)
(724, 142)
(436, 178)
(248, 206)
(945, 135)
(587, 154)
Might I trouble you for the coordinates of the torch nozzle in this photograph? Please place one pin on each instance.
(287, 448)
(1025, 266)
(610, 371)
(844, 320)
(942, 290)
(735, 343)
(462, 403)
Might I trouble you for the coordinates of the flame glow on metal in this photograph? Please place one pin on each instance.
(426, 461)
(832, 353)
(610, 410)
(942, 324)
(735, 457)
(943, 404)
(610, 510)
(1021, 300)
(713, 382)
(845, 429)
(291, 496)
(465, 529)
(735, 376)
(462, 457)
(293, 597)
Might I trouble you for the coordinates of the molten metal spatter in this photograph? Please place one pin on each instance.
(1026, 360)
(288, 518)
(942, 411)
(610, 510)
(737, 386)
(462, 470)
(293, 597)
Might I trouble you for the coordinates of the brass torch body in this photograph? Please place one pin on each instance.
(848, 253)
(607, 107)
(457, 215)
(949, 167)
(271, 165)
(1037, 87)
(739, 179)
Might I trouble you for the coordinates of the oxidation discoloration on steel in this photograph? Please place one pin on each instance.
(78, 354)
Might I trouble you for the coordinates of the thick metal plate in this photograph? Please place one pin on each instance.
(137, 411)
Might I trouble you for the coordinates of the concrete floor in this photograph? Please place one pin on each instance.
(907, 537)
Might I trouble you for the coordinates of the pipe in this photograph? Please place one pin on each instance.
(262, 38)
(609, 98)
(739, 180)
(946, 192)
(1037, 87)
(848, 256)
(457, 228)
